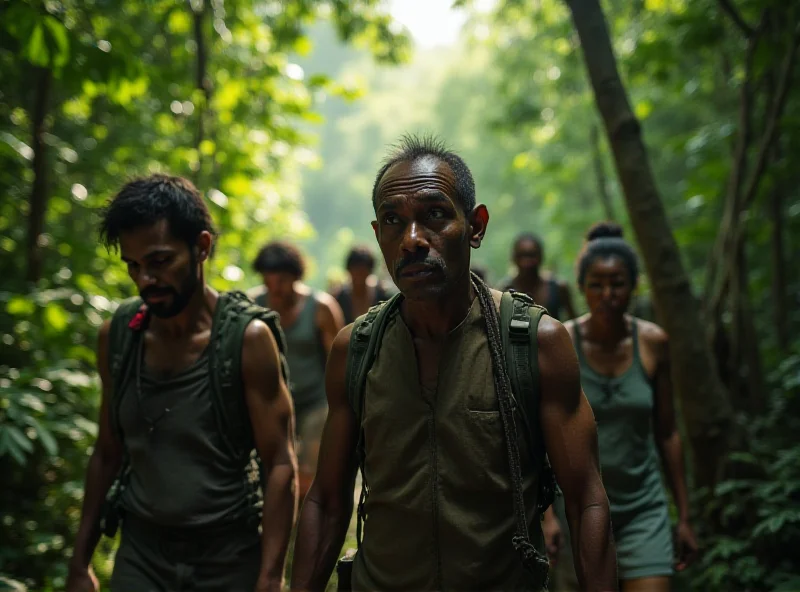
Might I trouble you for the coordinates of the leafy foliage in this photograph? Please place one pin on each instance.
(93, 94)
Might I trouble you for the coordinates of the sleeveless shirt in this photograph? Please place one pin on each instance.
(439, 510)
(623, 408)
(182, 474)
(305, 355)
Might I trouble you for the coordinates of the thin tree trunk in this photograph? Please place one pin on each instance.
(779, 290)
(38, 197)
(199, 9)
(703, 400)
(600, 175)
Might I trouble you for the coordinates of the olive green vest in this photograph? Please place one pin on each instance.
(440, 510)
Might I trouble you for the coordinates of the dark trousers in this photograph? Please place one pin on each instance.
(152, 558)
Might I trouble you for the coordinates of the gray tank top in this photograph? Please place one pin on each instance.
(305, 355)
(623, 408)
(182, 474)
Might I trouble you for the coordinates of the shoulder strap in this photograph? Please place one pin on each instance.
(365, 339)
(122, 344)
(234, 312)
(519, 322)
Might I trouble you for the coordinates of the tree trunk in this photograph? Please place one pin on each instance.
(199, 8)
(600, 175)
(780, 312)
(703, 400)
(38, 198)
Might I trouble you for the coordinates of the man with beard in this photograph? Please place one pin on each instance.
(193, 392)
(450, 490)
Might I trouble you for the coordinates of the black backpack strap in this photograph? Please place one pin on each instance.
(123, 348)
(519, 322)
(123, 344)
(233, 314)
(365, 339)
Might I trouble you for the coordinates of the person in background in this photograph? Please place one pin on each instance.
(625, 372)
(527, 254)
(310, 320)
(364, 289)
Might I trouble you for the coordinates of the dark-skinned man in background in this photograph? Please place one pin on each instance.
(190, 519)
(364, 289)
(439, 508)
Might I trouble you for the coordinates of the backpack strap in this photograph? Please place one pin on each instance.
(365, 340)
(123, 342)
(233, 314)
(519, 322)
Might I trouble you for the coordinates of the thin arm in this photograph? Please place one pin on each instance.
(328, 506)
(570, 435)
(270, 407)
(104, 464)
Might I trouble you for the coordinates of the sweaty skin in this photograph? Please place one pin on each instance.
(425, 237)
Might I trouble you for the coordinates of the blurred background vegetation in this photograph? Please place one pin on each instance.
(281, 111)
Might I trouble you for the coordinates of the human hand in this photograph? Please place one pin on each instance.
(82, 579)
(685, 545)
(552, 535)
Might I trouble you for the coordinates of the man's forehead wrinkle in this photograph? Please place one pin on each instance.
(409, 184)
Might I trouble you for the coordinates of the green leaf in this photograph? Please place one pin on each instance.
(19, 438)
(57, 40)
(48, 441)
(55, 317)
(20, 306)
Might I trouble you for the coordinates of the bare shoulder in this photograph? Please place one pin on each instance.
(651, 333)
(653, 340)
(342, 341)
(552, 333)
(325, 299)
(258, 339)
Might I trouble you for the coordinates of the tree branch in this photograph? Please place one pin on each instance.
(38, 198)
(728, 8)
(600, 174)
(773, 119)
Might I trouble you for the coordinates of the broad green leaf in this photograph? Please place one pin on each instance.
(48, 441)
(20, 439)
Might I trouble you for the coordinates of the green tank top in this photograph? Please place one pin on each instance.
(304, 354)
(623, 409)
(439, 510)
(182, 474)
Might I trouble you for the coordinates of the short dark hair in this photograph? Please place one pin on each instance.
(360, 255)
(528, 236)
(280, 256)
(146, 200)
(411, 147)
(604, 239)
